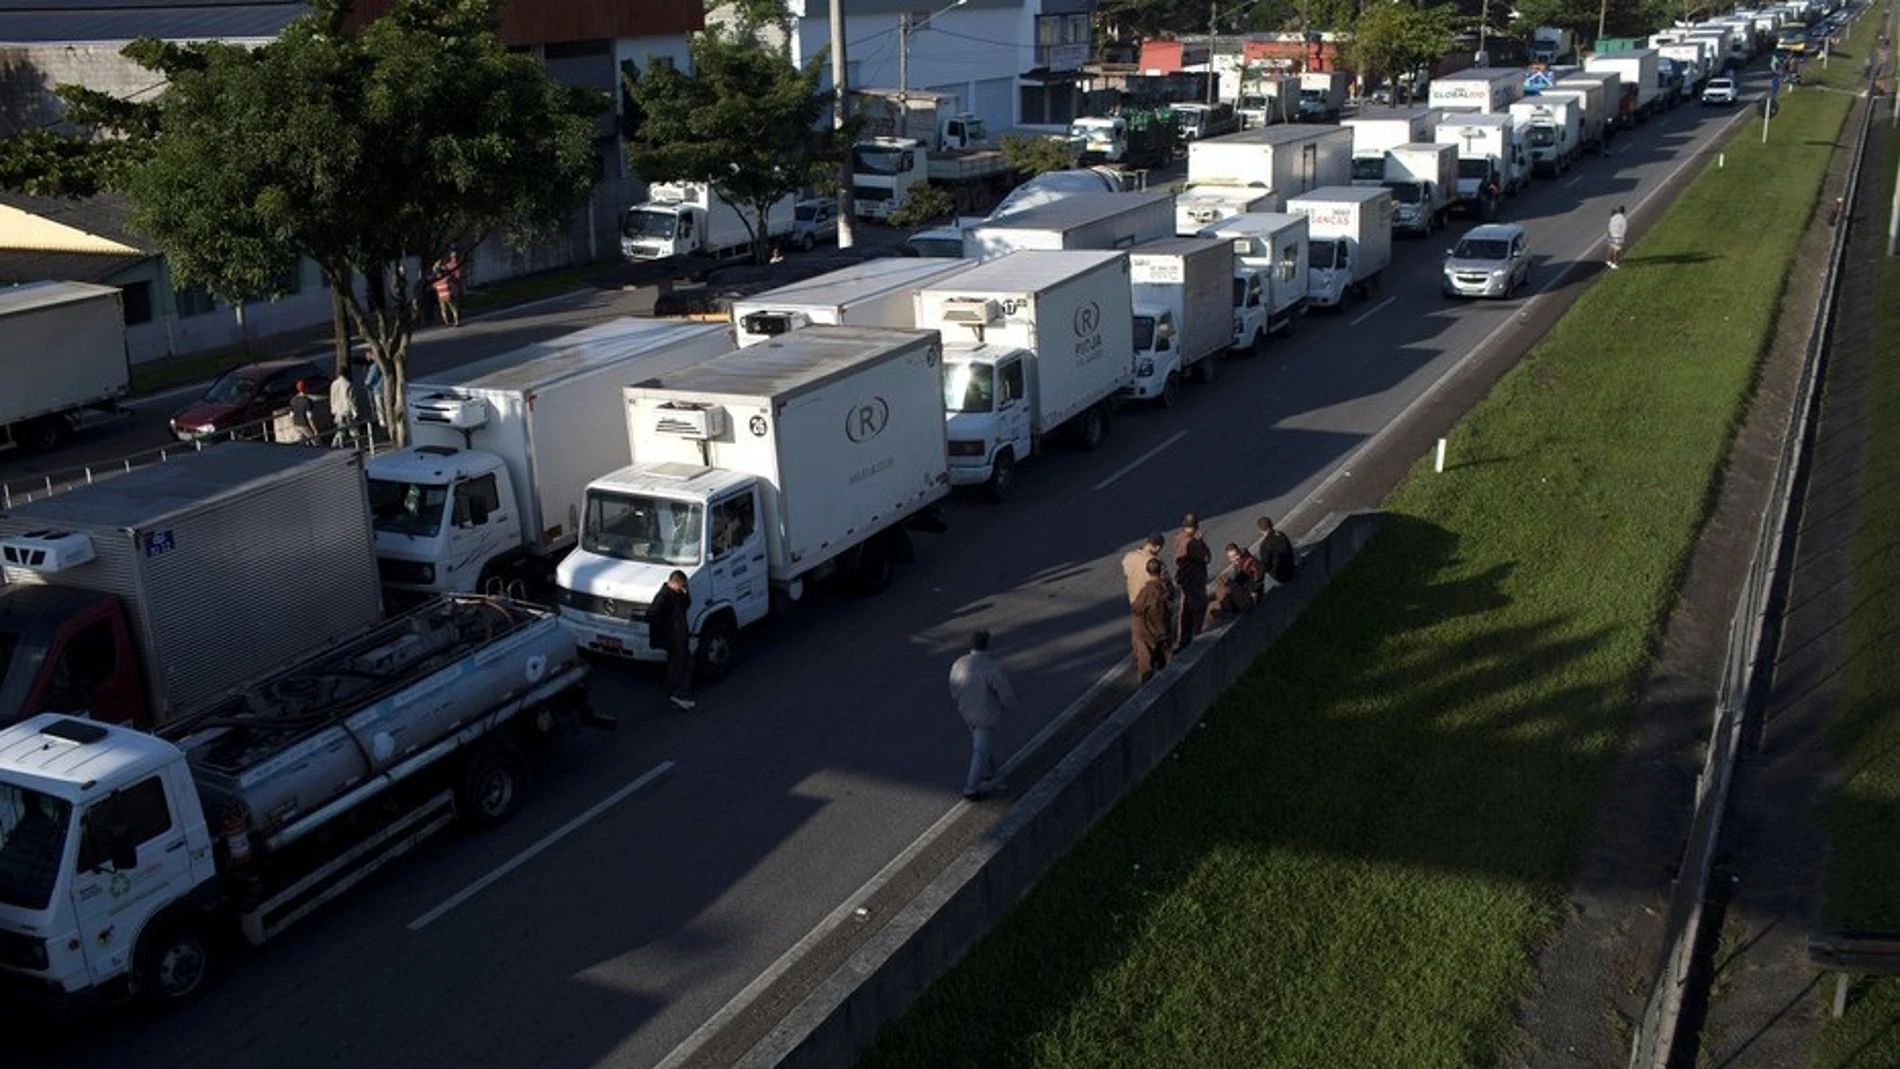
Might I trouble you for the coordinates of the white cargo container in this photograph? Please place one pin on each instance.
(1034, 343)
(222, 564)
(758, 473)
(1198, 208)
(1269, 99)
(1349, 243)
(1696, 55)
(1323, 95)
(1289, 160)
(487, 496)
(1183, 304)
(1619, 110)
(1076, 221)
(1587, 97)
(1636, 67)
(1551, 125)
(1376, 129)
(875, 293)
(1423, 179)
(1270, 254)
(692, 219)
(1488, 149)
(1485, 90)
(62, 359)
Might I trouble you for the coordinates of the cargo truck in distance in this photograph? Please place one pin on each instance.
(140, 597)
(487, 496)
(1349, 242)
(63, 360)
(1198, 122)
(1376, 129)
(1323, 95)
(1269, 99)
(758, 474)
(1183, 304)
(1035, 344)
(1423, 180)
(132, 854)
(1077, 221)
(1287, 160)
(1142, 138)
(1485, 90)
(875, 293)
(1199, 207)
(1492, 163)
(1551, 45)
(1636, 67)
(691, 219)
(1618, 107)
(910, 138)
(1587, 97)
(1270, 254)
(1551, 125)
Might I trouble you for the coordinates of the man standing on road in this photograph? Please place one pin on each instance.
(1149, 624)
(1191, 558)
(1619, 230)
(1276, 552)
(303, 415)
(982, 692)
(1135, 564)
(667, 627)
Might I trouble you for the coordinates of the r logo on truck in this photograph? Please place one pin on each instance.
(1088, 319)
(867, 420)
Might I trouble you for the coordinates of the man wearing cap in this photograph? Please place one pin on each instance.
(303, 418)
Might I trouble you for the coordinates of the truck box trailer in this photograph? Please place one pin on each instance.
(875, 293)
(1350, 242)
(1551, 126)
(1323, 95)
(1635, 67)
(1485, 90)
(1587, 97)
(1376, 129)
(1488, 150)
(63, 359)
(1275, 246)
(487, 495)
(215, 566)
(1269, 99)
(1034, 344)
(1618, 107)
(1077, 221)
(1423, 179)
(691, 219)
(1289, 160)
(1183, 304)
(757, 474)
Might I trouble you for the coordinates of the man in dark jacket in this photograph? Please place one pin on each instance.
(1191, 557)
(1149, 624)
(667, 629)
(1276, 552)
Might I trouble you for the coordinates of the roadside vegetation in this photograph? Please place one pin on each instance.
(1863, 880)
(1355, 858)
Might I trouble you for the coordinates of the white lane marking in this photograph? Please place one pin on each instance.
(1372, 311)
(1140, 460)
(531, 852)
(1573, 181)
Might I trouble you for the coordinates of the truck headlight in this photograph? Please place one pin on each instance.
(427, 572)
(1144, 368)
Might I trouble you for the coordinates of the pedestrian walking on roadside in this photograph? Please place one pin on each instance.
(345, 415)
(981, 690)
(1149, 624)
(1619, 231)
(1276, 552)
(303, 415)
(448, 288)
(1135, 564)
(373, 387)
(667, 629)
(1191, 558)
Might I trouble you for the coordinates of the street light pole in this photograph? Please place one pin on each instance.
(840, 114)
(1213, 76)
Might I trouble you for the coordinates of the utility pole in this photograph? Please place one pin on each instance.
(1213, 76)
(1603, 17)
(840, 112)
(903, 63)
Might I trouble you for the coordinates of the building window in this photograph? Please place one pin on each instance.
(136, 299)
(193, 301)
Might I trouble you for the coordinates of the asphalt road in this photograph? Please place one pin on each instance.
(655, 872)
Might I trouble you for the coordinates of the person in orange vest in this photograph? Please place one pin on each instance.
(448, 288)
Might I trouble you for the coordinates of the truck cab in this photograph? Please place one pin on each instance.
(443, 518)
(657, 230)
(883, 171)
(1252, 317)
(1157, 356)
(640, 525)
(68, 650)
(987, 407)
(1328, 271)
(1099, 138)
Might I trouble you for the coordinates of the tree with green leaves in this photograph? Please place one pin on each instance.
(363, 151)
(924, 203)
(1397, 38)
(1031, 156)
(745, 120)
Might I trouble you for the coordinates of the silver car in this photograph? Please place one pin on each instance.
(814, 222)
(1490, 261)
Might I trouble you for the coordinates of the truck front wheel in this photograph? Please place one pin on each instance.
(491, 788)
(1002, 476)
(718, 649)
(45, 434)
(172, 965)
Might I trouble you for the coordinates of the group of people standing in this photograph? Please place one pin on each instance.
(1171, 600)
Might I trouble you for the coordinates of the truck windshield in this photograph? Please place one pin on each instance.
(33, 828)
(1368, 167)
(407, 508)
(642, 529)
(1404, 192)
(866, 160)
(649, 224)
(968, 387)
(1319, 255)
(1144, 333)
(1474, 168)
(1543, 136)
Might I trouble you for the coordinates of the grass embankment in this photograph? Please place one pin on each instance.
(1863, 817)
(1846, 66)
(1354, 860)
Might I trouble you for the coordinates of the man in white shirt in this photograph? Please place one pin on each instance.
(982, 692)
(1619, 230)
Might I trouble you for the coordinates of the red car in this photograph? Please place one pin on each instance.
(245, 396)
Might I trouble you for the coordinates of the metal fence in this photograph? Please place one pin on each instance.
(1747, 671)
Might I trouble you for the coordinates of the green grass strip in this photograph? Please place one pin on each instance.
(1863, 817)
(1355, 858)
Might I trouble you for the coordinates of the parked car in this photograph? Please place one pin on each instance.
(1719, 91)
(247, 395)
(1490, 261)
(814, 221)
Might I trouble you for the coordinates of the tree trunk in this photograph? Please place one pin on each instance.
(340, 330)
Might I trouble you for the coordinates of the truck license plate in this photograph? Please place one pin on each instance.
(609, 643)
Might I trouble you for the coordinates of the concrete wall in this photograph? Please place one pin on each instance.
(972, 894)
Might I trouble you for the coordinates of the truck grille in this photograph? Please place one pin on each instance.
(619, 610)
(403, 571)
(871, 193)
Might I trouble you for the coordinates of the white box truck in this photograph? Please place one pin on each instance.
(1696, 55)
(1288, 160)
(1270, 255)
(63, 360)
(1485, 90)
(1592, 116)
(1183, 303)
(1266, 99)
(487, 496)
(1034, 344)
(1376, 129)
(1492, 163)
(1423, 179)
(1349, 243)
(691, 219)
(757, 474)
(1619, 108)
(875, 293)
(1323, 95)
(1076, 221)
(1636, 67)
(1200, 207)
(1551, 125)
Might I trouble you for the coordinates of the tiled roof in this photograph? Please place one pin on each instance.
(24, 266)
